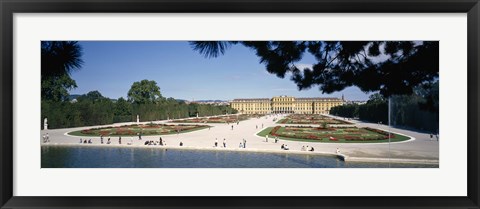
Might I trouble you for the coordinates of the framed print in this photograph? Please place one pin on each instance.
(264, 104)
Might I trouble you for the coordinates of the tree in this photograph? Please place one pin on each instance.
(376, 98)
(430, 93)
(56, 88)
(144, 91)
(59, 59)
(390, 67)
(122, 107)
(92, 96)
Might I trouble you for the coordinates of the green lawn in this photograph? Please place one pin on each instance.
(338, 135)
(133, 131)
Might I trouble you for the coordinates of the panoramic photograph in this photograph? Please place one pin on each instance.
(239, 104)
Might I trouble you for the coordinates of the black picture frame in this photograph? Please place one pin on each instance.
(10, 7)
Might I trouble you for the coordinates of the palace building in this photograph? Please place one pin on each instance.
(286, 104)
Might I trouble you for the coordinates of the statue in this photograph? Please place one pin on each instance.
(45, 124)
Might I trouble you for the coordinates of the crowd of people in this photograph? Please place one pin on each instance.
(243, 143)
(307, 148)
(84, 141)
(160, 142)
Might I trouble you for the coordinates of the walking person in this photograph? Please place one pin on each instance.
(224, 143)
(266, 138)
(101, 139)
(244, 143)
(216, 142)
(119, 140)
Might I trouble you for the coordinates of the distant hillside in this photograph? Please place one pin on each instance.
(201, 101)
(75, 96)
(211, 101)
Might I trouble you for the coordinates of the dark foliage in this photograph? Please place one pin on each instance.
(418, 111)
(58, 60)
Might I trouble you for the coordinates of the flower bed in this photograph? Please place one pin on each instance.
(310, 119)
(344, 134)
(135, 130)
(274, 131)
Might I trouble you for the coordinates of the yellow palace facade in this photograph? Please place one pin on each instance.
(285, 104)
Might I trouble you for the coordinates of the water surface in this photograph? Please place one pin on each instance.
(130, 157)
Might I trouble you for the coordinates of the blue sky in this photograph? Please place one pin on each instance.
(111, 67)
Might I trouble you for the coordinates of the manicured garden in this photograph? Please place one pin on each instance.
(339, 135)
(219, 119)
(141, 129)
(310, 119)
